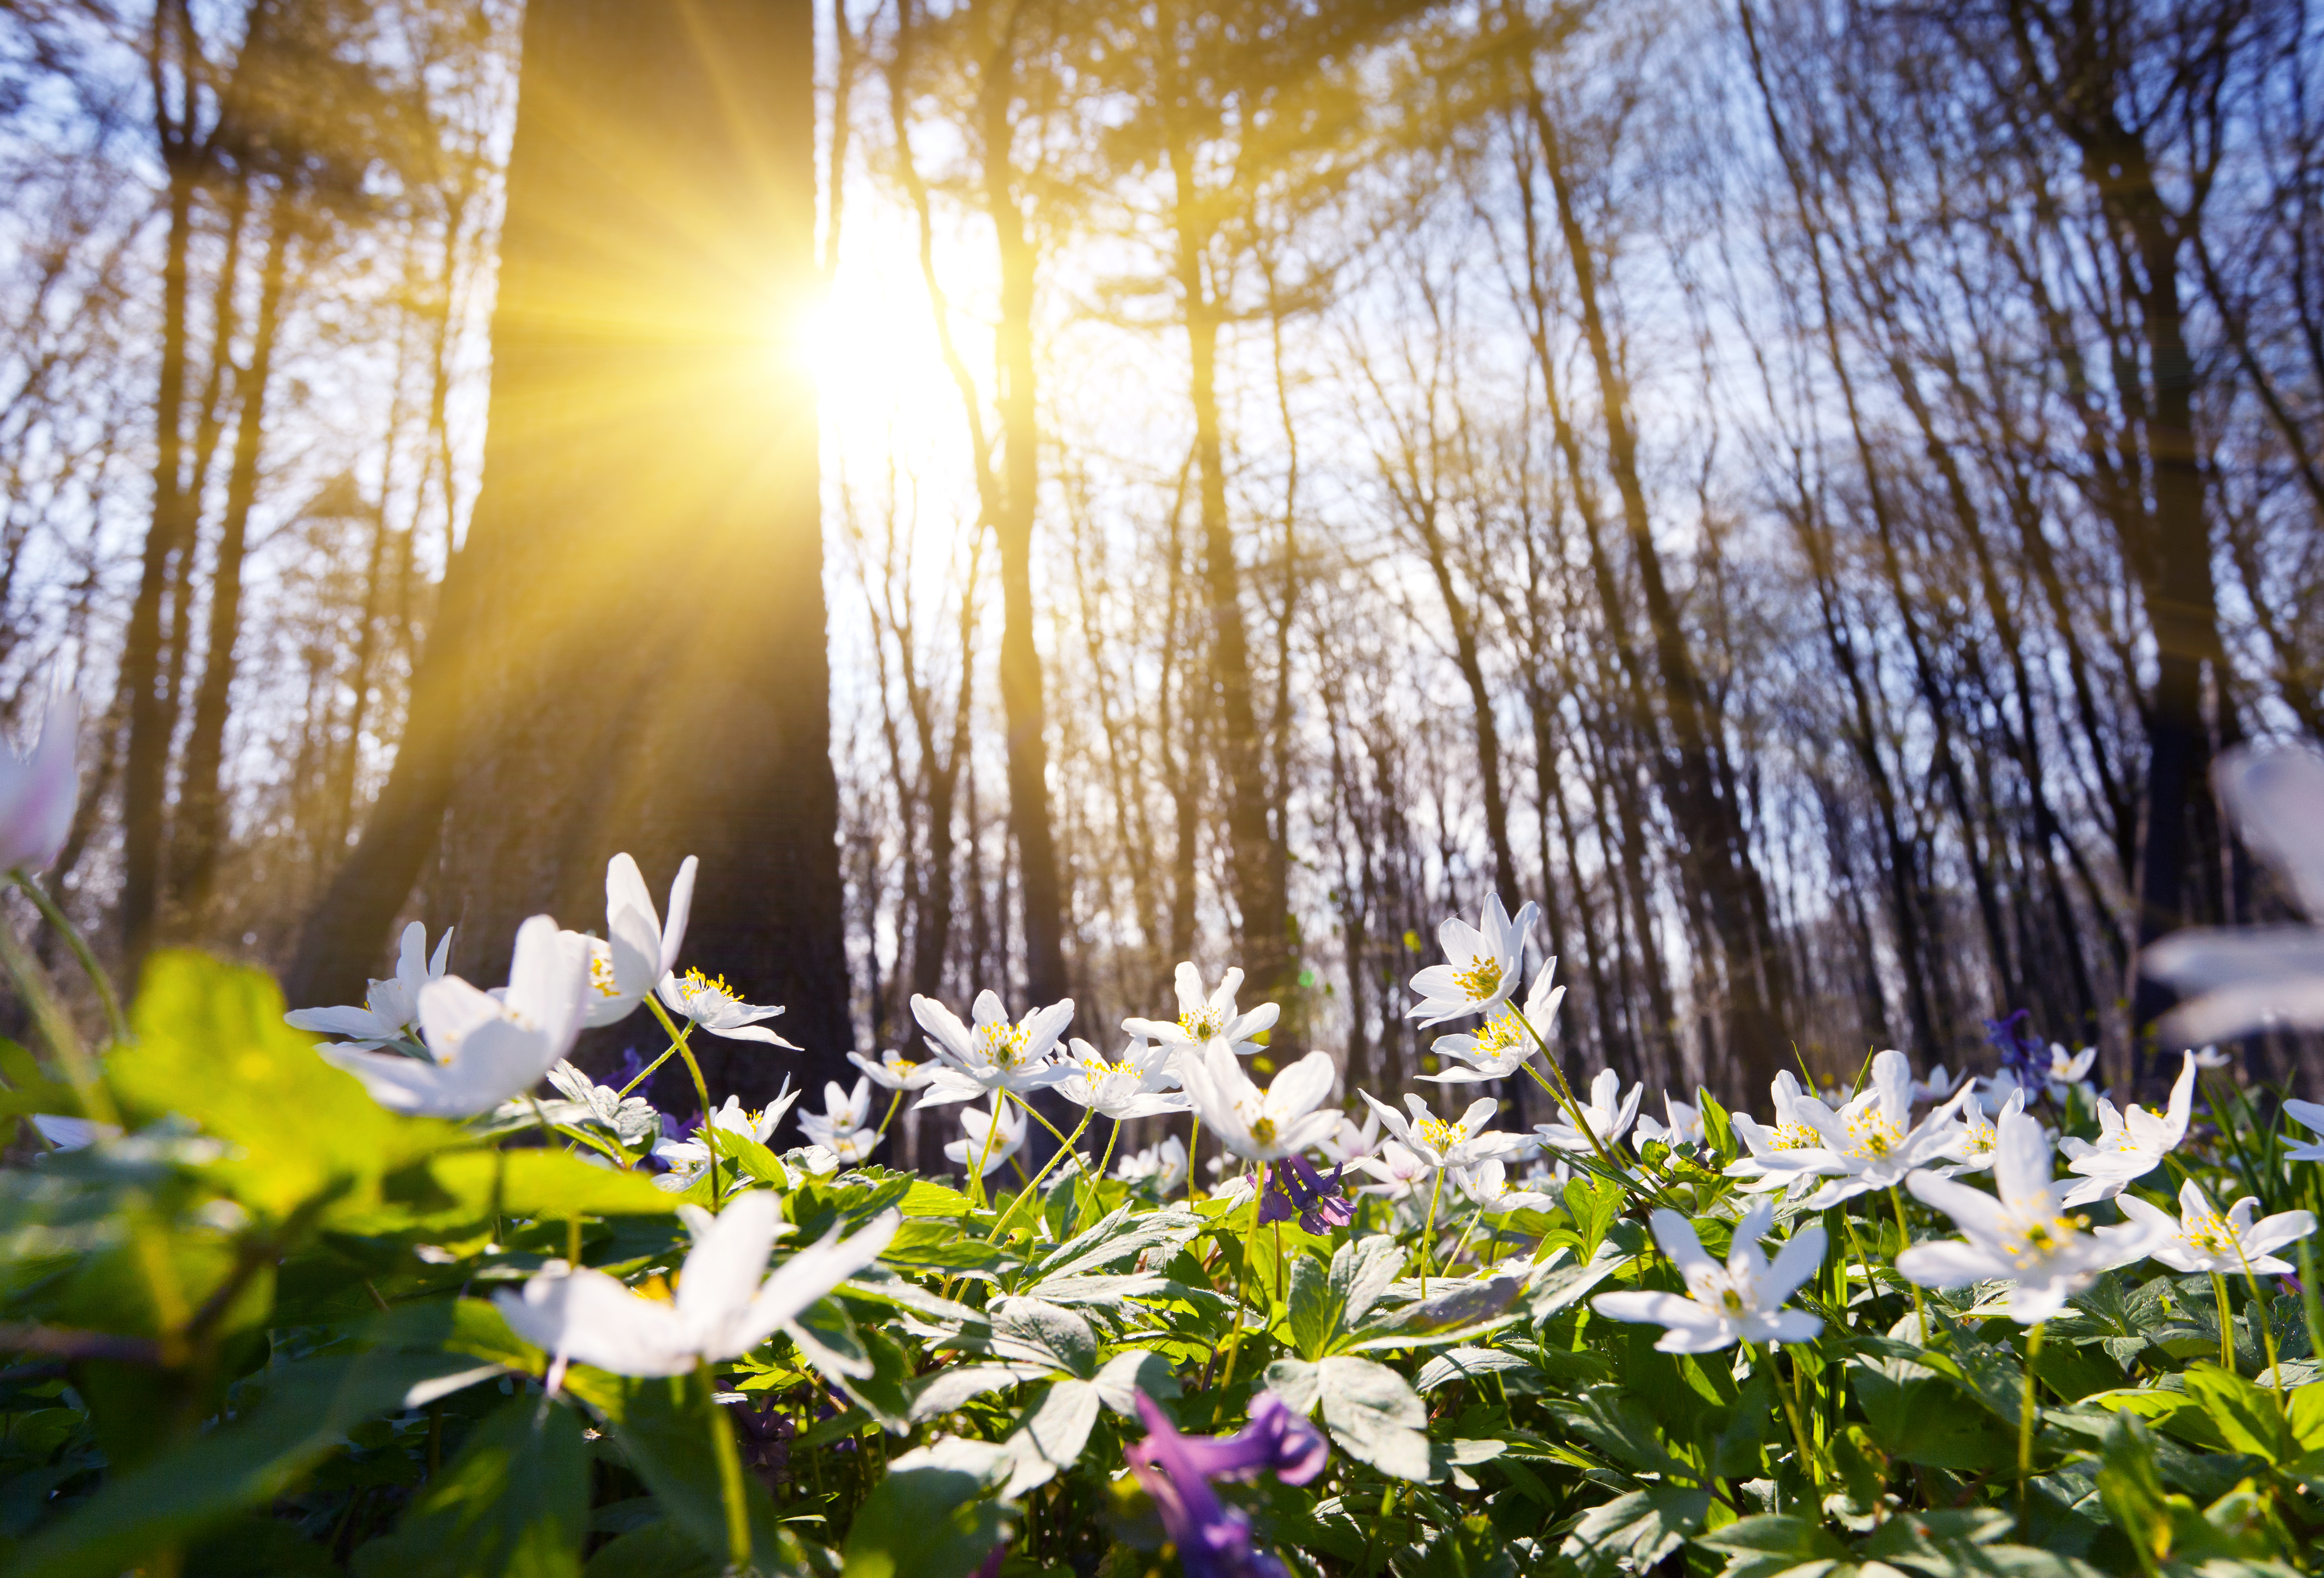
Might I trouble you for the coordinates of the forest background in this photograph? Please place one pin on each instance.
(1801, 492)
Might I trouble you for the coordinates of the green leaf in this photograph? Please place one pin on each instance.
(182, 1489)
(1765, 1546)
(1468, 1364)
(1312, 1312)
(1910, 1412)
(546, 1185)
(663, 1426)
(656, 1551)
(1044, 1334)
(929, 1517)
(1633, 1532)
(1373, 1413)
(515, 1501)
(748, 1154)
(2246, 1416)
(1052, 1436)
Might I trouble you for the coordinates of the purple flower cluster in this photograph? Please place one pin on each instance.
(1213, 1539)
(2023, 1053)
(1292, 1188)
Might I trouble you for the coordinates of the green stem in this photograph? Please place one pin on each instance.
(1079, 1165)
(1031, 1188)
(1564, 1092)
(53, 912)
(992, 1129)
(2027, 1413)
(1194, 1149)
(56, 1027)
(1106, 1161)
(648, 1072)
(1904, 1242)
(1250, 1274)
(2266, 1320)
(894, 1102)
(2226, 1323)
(1789, 1393)
(730, 1475)
(701, 1089)
(1428, 1232)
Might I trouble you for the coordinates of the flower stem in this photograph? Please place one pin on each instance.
(53, 913)
(2226, 1323)
(894, 1102)
(976, 1178)
(730, 1475)
(39, 996)
(1904, 1242)
(1428, 1232)
(701, 1090)
(1055, 1157)
(2261, 1317)
(1106, 1160)
(1789, 1393)
(2028, 1411)
(1194, 1150)
(1079, 1166)
(1564, 1092)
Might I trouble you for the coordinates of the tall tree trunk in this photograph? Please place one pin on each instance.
(632, 641)
(201, 833)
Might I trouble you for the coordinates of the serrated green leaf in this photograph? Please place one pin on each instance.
(515, 1501)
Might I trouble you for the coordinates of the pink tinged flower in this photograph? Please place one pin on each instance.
(1481, 964)
(1399, 1172)
(390, 1010)
(482, 1048)
(711, 1003)
(1740, 1301)
(38, 791)
(1207, 1016)
(2203, 1239)
(639, 949)
(2241, 979)
(2131, 1143)
(2023, 1234)
(992, 1052)
(1350, 1141)
(1213, 1540)
(726, 1303)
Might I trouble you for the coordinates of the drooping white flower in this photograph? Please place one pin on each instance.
(1504, 1042)
(1741, 1301)
(1872, 1142)
(1488, 1183)
(977, 1125)
(1939, 1084)
(2210, 1058)
(482, 1048)
(1685, 1126)
(1480, 964)
(2131, 1143)
(2202, 1239)
(2024, 1236)
(1165, 1164)
(390, 1010)
(1350, 1140)
(895, 1071)
(1134, 1086)
(687, 1159)
(1205, 1017)
(724, 1305)
(1796, 1128)
(711, 1003)
(638, 949)
(1461, 1141)
(998, 1054)
(2069, 1072)
(1973, 1142)
(1398, 1171)
(2308, 1114)
(1260, 1125)
(1609, 1112)
(843, 1126)
(2240, 979)
(39, 792)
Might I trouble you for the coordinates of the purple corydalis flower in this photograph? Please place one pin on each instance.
(1295, 1189)
(2023, 1053)
(1213, 1539)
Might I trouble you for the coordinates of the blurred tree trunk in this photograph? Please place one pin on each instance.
(631, 650)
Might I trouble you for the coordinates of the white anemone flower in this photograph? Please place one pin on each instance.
(687, 1159)
(711, 1003)
(639, 949)
(2131, 1143)
(391, 1011)
(1165, 1164)
(38, 791)
(982, 1140)
(1398, 1173)
(2308, 1114)
(2210, 1058)
(1685, 1126)
(483, 1048)
(1204, 1017)
(1741, 1301)
(2024, 1236)
(1350, 1140)
(1489, 1185)
(1134, 1086)
(2203, 1239)
(1480, 964)
(2243, 978)
(895, 1071)
(997, 1054)
(1796, 1128)
(1872, 1142)
(1609, 1112)
(1260, 1125)
(1504, 1044)
(844, 1114)
(725, 1304)
(1973, 1142)
(1447, 1142)
(1939, 1084)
